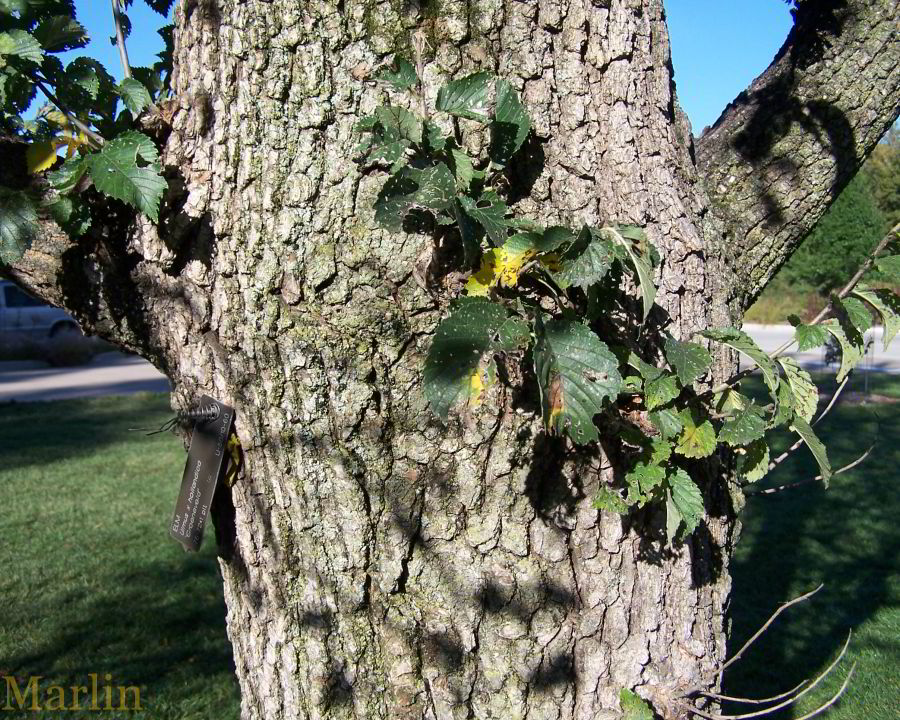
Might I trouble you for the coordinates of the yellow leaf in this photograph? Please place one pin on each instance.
(510, 265)
(476, 387)
(40, 155)
(486, 277)
(57, 118)
(498, 266)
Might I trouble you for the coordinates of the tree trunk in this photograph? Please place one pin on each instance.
(377, 564)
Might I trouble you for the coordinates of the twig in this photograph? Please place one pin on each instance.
(419, 43)
(834, 698)
(817, 478)
(92, 136)
(755, 636)
(846, 290)
(120, 39)
(795, 698)
(751, 701)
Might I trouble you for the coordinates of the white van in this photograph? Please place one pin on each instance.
(25, 315)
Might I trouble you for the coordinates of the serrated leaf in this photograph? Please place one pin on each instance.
(661, 390)
(888, 306)
(753, 461)
(633, 706)
(576, 374)
(18, 224)
(510, 125)
(857, 313)
(466, 97)
(394, 201)
(730, 400)
(59, 33)
(399, 123)
(807, 336)
(804, 394)
(743, 343)
(698, 436)
(608, 499)
(401, 75)
(83, 73)
(688, 359)
(686, 499)
(889, 266)
(802, 428)
(667, 422)
(463, 169)
(472, 329)
(586, 261)
(437, 189)
(642, 480)
(490, 212)
(66, 177)
(134, 95)
(640, 256)
(18, 43)
(116, 172)
(161, 6)
(851, 353)
(784, 405)
(745, 427)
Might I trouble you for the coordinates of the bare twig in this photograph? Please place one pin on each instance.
(791, 700)
(751, 701)
(834, 698)
(120, 38)
(419, 43)
(91, 135)
(817, 478)
(846, 290)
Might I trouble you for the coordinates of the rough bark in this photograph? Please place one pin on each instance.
(378, 564)
(784, 149)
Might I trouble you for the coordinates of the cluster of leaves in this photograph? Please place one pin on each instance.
(537, 295)
(90, 117)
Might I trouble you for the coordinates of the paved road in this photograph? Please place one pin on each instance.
(118, 374)
(107, 374)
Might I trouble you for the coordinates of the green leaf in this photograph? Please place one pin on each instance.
(116, 172)
(888, 306)
(858, 313)
(18, 224)
(634, 707)
(586, 261)
(134, 95)
(490, 212)
(401, 74)
(463, 170)
(642, 480)
(66, 177)
(661, 390)
(689, 360)
(851, 353)
(639, 251)
(510, 125)
(667, 422)
(753, 461)
(804, 394)
(889, 265)
(802, 428)
(466, 97)
(745, 427)
(59, 33)
(743, 343)
(807, 336)
(399, 123)
(686, 499)
(698, 436)
(18, 43)
(608, 499)
(474, 327)
(437, 189)
(576, 373)
(394, 201)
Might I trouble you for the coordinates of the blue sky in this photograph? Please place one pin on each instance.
(718, 46)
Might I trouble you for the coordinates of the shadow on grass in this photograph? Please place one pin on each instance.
(847, 537)
(40, 433)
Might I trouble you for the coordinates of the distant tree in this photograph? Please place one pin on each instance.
(841, 240)
(883, 171)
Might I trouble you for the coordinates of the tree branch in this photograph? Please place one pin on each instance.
(784, 149)
(120, 38)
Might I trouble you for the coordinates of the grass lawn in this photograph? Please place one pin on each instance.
(92, 583)
(847, 537)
